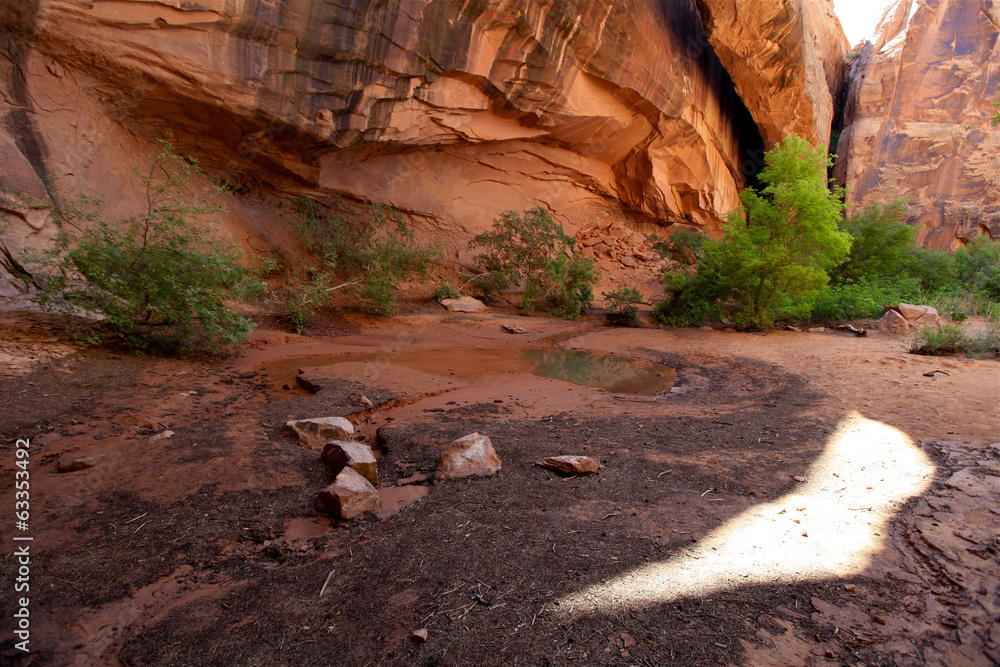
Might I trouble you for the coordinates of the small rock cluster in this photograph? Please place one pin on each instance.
(353, 491)
(899, 319)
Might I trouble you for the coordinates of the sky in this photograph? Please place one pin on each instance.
(858, 17)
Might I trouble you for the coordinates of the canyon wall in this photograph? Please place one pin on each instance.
(450, 111)
(917, 118)
(787, 60)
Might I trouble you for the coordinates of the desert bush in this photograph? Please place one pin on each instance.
(684, 247)
(446, 291)
(953, 338)
(622, 307)
(531, 251)
(157, 278)
(370, 247)
(693, 298)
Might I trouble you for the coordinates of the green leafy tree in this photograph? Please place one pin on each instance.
(157, 278)
(775, 261)
(530, 249)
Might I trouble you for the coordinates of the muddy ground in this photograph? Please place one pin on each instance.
(797, 499)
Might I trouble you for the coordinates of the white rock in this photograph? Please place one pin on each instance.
(471, 456)
(349, 496)
(316, 431)
(339, 454)
(465, 304)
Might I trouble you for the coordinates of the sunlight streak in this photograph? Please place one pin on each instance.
(829, 527)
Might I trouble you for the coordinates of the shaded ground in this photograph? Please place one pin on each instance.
(203, 548)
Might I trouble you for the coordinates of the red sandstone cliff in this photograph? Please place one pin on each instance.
(450, 111)
(917, 118)
(786, 58)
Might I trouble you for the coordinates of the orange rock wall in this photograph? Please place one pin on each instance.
(917, 118)
(451, 111)
(786, 58)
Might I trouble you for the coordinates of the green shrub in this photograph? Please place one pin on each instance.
(977, 267)
(300, 301)
(693, 298)
(532, 252)
(446, 291)
(959, 317)
(685, 246)
(862, 299)
(952, 338)
(622, 307)
(157, 278)
(372, 248)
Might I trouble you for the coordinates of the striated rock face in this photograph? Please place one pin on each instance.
(917, 118)
(451, 111)
(786, 58)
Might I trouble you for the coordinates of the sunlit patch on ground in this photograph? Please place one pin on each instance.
(830, 527)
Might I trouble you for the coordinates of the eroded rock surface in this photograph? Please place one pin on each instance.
(786, 59)
(450, 111)
(917, 118)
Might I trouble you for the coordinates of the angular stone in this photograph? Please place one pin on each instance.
(78, 463)
(893, 323)
(572, 465)
(316, 431)
(470, 456)
(349, 496)
(339, 454)
(465, 304)
(919, 315)
(628, 260)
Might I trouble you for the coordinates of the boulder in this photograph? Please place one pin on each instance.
(339, 454)
(464, 304)
(349, 496)
(572, 465)
(316, 431)
(471, 456)
(893, 323)
(919, 315)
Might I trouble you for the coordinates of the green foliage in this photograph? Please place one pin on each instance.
(775, 261)
(685, 246)
(446, 291)
(532, 250)
(953, 338)
(933, 270)
(301, 301)
(372, 247)
(693, 298)
(996, 119)
(621, 305)
(880, 244)
(157, 277)
(977, 267)
(862, 299)
(959, 316)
